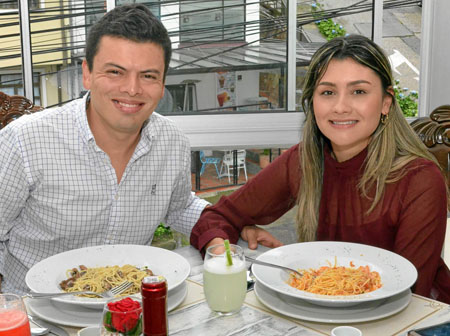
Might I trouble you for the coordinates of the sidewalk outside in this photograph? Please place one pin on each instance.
(401, 35)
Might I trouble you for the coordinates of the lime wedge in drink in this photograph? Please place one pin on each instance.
(228, 252)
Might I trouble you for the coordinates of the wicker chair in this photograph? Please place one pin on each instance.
(13, 107)
(435, 133)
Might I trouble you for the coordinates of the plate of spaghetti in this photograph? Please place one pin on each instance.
(334, 280)
(336, 274)
(100, 279)
(99, 268)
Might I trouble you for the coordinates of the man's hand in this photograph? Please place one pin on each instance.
(255, 235)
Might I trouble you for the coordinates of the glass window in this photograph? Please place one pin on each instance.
(401, 42)
(212, 21)
(211, 169)
(13, 4)
(232, 58)
(98, 9)
(94, 11)
(11, 84)
(152, 4)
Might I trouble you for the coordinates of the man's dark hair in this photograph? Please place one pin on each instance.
(133, 22)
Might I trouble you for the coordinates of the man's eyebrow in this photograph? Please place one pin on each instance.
(114, 65)
(356, 82)
(156, 71)
(151, 71)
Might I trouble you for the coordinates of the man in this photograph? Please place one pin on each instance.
(103, 169)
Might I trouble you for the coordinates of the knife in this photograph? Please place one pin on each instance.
(54, 329)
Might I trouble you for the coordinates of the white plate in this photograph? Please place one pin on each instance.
(79, 316)
(369, 311)
(397, 273)
(45, 276)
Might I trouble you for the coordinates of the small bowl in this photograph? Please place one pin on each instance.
(89, 331)
(346, 331)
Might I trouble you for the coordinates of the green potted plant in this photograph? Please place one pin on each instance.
(164, 237)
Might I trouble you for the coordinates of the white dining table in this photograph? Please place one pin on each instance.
(193, 316)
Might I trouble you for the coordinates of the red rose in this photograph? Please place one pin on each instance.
(127, 316)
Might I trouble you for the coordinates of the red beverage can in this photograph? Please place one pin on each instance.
(154, 306)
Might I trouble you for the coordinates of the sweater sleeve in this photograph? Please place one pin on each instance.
(262, 200)
(421, 230)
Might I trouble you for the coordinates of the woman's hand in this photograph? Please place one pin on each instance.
(215, 241)
(255, 235)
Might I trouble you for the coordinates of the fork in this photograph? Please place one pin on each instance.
(106, 294)
(263, 263)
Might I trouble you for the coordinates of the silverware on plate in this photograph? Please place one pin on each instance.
(106, 294)
(53, 329)
(250, 281)
(263, 263)
(39, 331)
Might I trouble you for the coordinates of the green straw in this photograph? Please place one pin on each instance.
(228, 252)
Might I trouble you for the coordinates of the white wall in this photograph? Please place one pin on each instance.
(255, 130)
(434, 56)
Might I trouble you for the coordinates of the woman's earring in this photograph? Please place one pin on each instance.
(384, 118)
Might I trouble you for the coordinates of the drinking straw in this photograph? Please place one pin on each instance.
(228, 252)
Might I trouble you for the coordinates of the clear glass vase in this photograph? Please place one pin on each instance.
(122, 316)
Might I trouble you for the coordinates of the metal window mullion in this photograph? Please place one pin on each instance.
(427, 41)
(197, 170)
(291, 55)
(223, 19)
(377, 21)
(25, 40)
(235, 167)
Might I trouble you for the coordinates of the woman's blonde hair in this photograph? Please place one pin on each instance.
(392, 145)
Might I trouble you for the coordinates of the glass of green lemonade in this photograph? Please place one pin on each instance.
(225, 285)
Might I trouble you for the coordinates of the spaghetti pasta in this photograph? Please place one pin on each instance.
(99, 279)
(337, 280)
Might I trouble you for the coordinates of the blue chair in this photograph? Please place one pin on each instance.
(209, 160)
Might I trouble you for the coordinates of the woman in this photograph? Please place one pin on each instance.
(360, 175)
